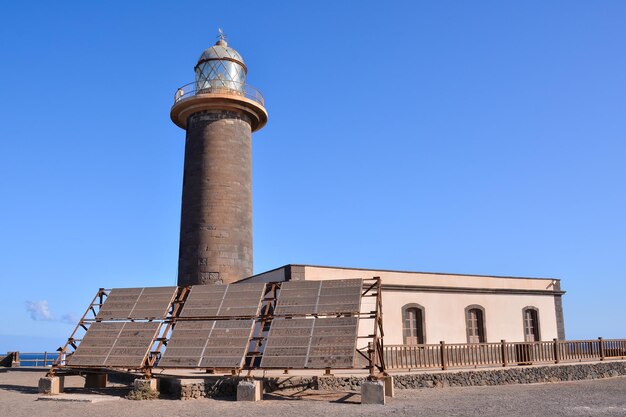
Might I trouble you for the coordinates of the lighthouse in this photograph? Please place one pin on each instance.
(219, 112)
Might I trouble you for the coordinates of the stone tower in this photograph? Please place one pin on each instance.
(219, 112)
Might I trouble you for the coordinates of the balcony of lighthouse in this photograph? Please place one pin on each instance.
(217, 94)
(218, 87)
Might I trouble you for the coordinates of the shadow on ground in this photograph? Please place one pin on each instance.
(111, 391)
(333, 397)
(19, 388)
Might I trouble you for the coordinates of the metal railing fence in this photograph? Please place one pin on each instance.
(228, 87)
(442, 355)
(28, 359)
(463, 355)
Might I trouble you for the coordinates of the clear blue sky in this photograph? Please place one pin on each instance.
(483, 137)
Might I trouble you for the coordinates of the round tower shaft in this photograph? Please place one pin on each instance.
(219, 113)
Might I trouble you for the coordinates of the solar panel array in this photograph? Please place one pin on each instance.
(216, 324)
(311, 343)
(120, 344)
(208, 344)
(319, 297)
(238, 300)
(137, 303)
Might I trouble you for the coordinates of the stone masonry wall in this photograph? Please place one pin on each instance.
(216, 212)
(227, 387)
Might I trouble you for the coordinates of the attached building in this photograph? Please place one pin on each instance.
(425, 307)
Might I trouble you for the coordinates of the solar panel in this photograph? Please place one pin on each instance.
(234, 300)
(311, 343)
(216, 324)
(137, 303)
(208, 344)
(333, 343)
(319, 297)
(123, 345)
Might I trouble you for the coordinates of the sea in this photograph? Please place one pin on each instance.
(36, 359)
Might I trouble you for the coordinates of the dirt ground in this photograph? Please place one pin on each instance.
(607, 397)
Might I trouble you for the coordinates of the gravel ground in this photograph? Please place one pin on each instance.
(607, 397)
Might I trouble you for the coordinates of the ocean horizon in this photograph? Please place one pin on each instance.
(42, 358)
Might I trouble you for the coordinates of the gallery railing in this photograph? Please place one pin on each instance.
(464, 355)
(216, 87)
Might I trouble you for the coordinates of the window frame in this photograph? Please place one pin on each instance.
(482, 325)
(537, 327)
(405, 316)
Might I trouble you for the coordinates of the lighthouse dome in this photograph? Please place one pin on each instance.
(221, 50)
(220, 67)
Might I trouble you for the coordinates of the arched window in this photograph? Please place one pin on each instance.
(413, 324)
(530, 316)
(475, 319)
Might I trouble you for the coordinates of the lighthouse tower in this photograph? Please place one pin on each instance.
(219, 112)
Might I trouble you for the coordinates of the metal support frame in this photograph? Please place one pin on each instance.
(373, 351)
(84, 323)
(90, 317)
(379, 357)
(164, 332)
(268, 305)
(374, 356)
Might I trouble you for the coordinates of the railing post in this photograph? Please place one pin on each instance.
(601, 343)
(503, 348)
(443, 355)
(45, 358)
(556, 350)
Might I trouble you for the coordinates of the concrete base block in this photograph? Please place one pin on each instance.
(372, 392)
(51, 385)
(389, 389)
(249, 390)
(145, 384)
(96, 381)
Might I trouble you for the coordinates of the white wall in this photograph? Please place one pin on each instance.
(445, 315)
(445, 309)
(432, 279)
